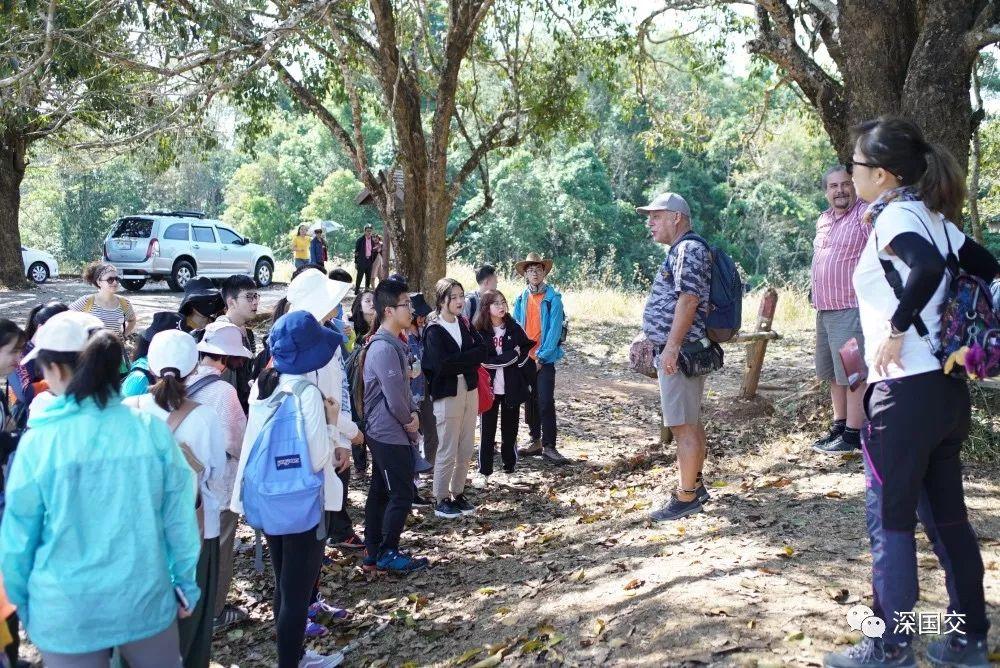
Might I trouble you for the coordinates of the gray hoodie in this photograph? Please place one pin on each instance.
(388, 401)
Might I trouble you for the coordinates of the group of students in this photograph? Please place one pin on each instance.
(126, 473)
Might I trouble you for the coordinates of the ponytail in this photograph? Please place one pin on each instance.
(95, 271)
(96, 375)
(169, 391)
(942, 185)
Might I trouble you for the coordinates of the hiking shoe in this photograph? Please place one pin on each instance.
(480, 481)
(872, 652)
(700, 492)
(837, 446)
(463, 505)
(229, 617)
(532, 448)
(352, 542)
(421, 501)
(447, 509)
(321, 607)
(676, 509)
(834, 432)
(315, 630)
(550, 454)
(395, 561)
(313, 660)
(958, 650)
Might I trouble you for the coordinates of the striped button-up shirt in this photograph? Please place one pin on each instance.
(836, 251)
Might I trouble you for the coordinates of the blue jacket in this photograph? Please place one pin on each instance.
(316, 251)
(549, 350)
(99, 527)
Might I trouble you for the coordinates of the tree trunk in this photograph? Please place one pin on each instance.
(12, 164)
(975, 159)
(421, 248)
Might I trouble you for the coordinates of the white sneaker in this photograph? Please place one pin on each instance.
(480, 481)
(314, 660)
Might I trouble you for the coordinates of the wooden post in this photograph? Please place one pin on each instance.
(756, 350)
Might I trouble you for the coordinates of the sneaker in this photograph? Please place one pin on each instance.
(321, 607)
(700, 492)
(315, 629)
(313, 660)
(421, 501)
(837, 446)
(834, 432)
(369, 564)
(957, 650)
(532, 448)
(871, 652)
(352, 542)
(229, 617)
(480, 481)
(395, 561)
(447, 509)
(463, 505)
(550, 454)
(508, 471)
(676, 509)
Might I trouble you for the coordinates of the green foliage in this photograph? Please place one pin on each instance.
(333, 200)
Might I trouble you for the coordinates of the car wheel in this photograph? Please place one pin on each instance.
(179, 277)
(38, 272)
(264, 273)
(133, 285)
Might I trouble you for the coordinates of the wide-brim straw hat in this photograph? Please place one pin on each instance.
(533, 258)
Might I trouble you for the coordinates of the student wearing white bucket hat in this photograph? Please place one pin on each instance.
(173, 357)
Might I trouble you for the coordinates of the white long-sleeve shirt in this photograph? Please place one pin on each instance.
(221, 397)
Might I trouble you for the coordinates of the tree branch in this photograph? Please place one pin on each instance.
(490, 141)
(42, 58)
(985, 30)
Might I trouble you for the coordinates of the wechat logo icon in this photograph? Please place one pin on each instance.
(861, 618)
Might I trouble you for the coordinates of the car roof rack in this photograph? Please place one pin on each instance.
(181, 214)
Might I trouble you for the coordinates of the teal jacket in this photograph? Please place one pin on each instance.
(99, 527)
(549, 350)
(136, 383)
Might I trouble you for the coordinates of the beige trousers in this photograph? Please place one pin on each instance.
(456, 428)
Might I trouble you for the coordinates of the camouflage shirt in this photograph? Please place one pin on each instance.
(687, 269)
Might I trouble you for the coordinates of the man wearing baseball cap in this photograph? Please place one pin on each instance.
(675, 314)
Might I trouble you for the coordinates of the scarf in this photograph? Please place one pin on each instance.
(542, 287)
(901, 194)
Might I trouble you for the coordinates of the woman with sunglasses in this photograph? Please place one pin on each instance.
(918, 417)
(114, 311)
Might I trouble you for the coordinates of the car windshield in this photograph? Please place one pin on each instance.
(133, 228)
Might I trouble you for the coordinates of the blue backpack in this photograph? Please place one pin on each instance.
(725, 302)
(281, 493)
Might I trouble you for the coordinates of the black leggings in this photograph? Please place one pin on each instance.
(297, 560)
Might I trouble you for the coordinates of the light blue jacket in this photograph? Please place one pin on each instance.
(549, 350)
(136, 383)
(99, 527)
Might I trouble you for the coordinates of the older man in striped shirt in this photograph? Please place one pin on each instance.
(840, 237)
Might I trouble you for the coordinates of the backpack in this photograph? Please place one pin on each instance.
(354, 368)
(174, 420)
(281, 493)
(564, 331)
(201, 383)
(968, 344)
(725, 299)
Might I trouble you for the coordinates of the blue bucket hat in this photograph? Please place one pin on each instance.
(299, 344)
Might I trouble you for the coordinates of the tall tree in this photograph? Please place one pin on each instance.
(858, 59)
(448, 77)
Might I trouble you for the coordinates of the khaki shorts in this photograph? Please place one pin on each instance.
(680, 398)
(833, 330)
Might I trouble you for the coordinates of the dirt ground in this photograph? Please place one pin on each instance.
(561, 567)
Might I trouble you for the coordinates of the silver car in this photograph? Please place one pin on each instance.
(178, 245)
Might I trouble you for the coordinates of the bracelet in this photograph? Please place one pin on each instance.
(895, 333)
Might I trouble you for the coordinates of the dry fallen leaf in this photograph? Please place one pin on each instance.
(468, 655)
(616, 643)
(634, 584)
(490, 661)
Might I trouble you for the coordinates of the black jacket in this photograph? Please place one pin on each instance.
(512, 361)
(443, 361)
(359, 252)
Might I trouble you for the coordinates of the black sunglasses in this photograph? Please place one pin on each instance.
(851, 164)
(111, 279)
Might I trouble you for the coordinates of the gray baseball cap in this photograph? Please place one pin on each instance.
(666, 202)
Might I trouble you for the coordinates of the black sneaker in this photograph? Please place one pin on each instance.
(835, 431)
(422, 501)
(957, 650)
(871, 652)
(699, 491)
(447, 509)
(463, 505)
(837, 446)
(550, 454)
(676, 509)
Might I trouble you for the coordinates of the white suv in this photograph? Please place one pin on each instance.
(178, 245)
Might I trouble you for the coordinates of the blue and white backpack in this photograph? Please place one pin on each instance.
(281, 493)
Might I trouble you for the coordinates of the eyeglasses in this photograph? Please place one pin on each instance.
(252, 296)
(111, 280)
(406, 305)
(852, 163)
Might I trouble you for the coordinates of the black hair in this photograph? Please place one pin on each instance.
(280, 308)
(442, 291)
(898, 146)
(340, 275)
(485, 272)
(235, 284)
(9, 331)
(96, 374)
(299, 270)
(386, 295)
(361, 327)
(141, 347)
(267, 382)
(213, 356)
(40, 314)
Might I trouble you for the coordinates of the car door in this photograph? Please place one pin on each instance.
(235, 256)
(206, 249)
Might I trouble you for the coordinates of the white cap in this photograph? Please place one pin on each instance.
(172, 349)
(313, 292)
(223, 338)
(65, 332)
